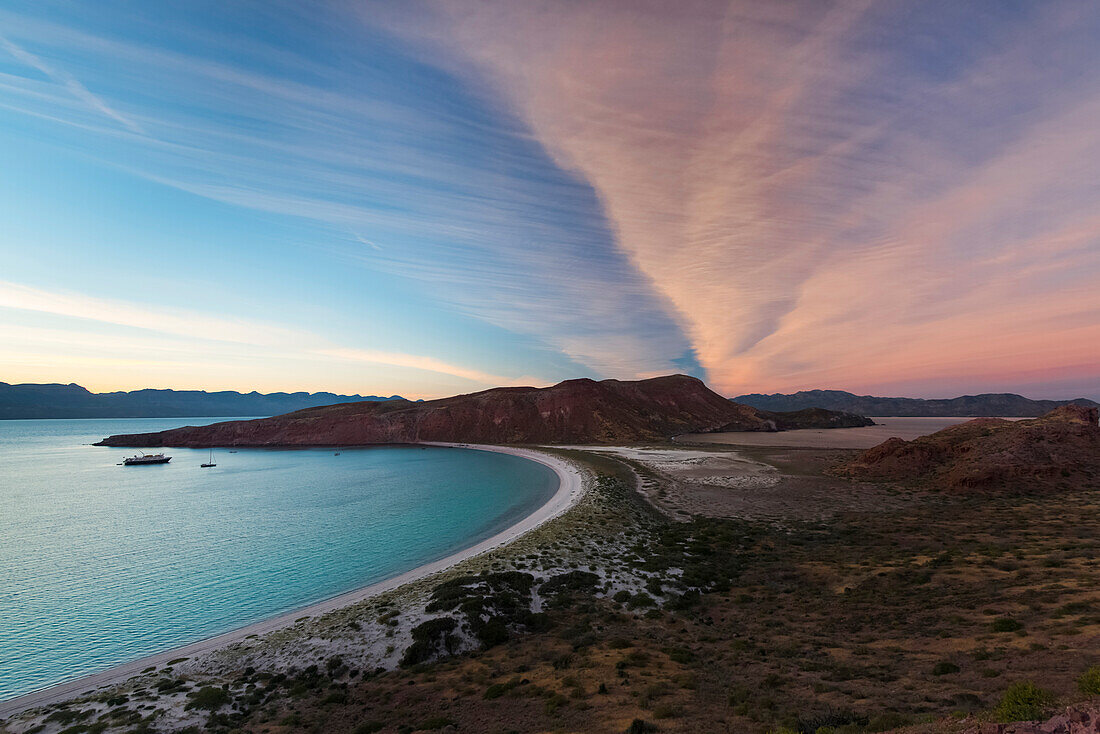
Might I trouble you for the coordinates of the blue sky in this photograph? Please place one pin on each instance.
(251, 162)
(428, 198)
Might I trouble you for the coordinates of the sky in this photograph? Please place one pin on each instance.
(430, 197)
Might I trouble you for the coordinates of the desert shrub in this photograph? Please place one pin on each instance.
(492, 632)
(1006, 624)
(666, 711)
(492, 604)
(887, 721)
(499, 689)
(621, 596)
(65, 716)
(209, 698)
(562, 662)
(944, 668)
(639, 726)
(1023, 701)
(573, 581)
(428, 637)
(829, 720)
(680, 655)
(1089, 682)
(641, 600)
(435, 722)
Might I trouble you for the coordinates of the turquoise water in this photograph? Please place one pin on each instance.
(101, 564)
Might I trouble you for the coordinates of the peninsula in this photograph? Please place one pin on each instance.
(574, 411)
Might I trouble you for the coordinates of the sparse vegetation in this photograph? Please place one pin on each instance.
(1089, 682)
(1023, 701)
(867, 621)
(209, 698)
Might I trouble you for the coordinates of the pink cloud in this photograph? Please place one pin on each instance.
(812, 219)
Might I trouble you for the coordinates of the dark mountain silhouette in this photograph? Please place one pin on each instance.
(1008, 405)
(73, 401)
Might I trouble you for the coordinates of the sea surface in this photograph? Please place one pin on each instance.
(101, 564)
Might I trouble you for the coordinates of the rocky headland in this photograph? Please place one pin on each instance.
(1059, 449)
(574, 411)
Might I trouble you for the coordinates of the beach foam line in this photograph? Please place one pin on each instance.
(570, 490)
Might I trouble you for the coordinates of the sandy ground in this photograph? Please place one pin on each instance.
(722, 481)
(831, 438)
(570, 490)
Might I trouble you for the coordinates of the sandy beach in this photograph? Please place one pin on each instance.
(570, 489)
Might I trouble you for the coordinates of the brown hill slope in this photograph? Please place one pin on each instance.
(574, 411)
(1059, 448)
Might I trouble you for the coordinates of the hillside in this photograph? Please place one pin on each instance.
(1060, 449)
(574, 411)
(816, 418)
(1006, 405)
(73, 401)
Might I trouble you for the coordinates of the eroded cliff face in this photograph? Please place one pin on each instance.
(574, 411)
(1058, 450)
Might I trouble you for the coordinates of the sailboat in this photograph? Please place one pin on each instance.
(211, 462)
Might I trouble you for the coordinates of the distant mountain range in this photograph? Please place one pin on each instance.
(1008, 405)
(73, 401)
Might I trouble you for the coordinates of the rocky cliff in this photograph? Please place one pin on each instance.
(574, 411)
(1059, 450)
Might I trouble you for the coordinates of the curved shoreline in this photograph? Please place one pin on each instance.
(569, 491)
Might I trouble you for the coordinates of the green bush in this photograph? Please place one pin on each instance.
(499, 689)
(1023, 701)
(1006, 624)
(1089, 682)
(944, 668)
(428, 637)
(209, 698)
(573, 581)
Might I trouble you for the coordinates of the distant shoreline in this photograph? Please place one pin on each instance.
(569, 491)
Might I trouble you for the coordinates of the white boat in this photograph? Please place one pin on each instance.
(143, 459)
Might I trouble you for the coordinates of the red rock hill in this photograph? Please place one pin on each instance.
(1061, 448)
(574, 411)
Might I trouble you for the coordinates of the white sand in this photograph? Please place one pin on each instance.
(570, 489)
(831, 438)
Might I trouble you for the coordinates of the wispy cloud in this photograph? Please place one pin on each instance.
(187, 337)
(799, 193)
(823, 195)
(70, 83)
(430, 364)
(432, 184)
